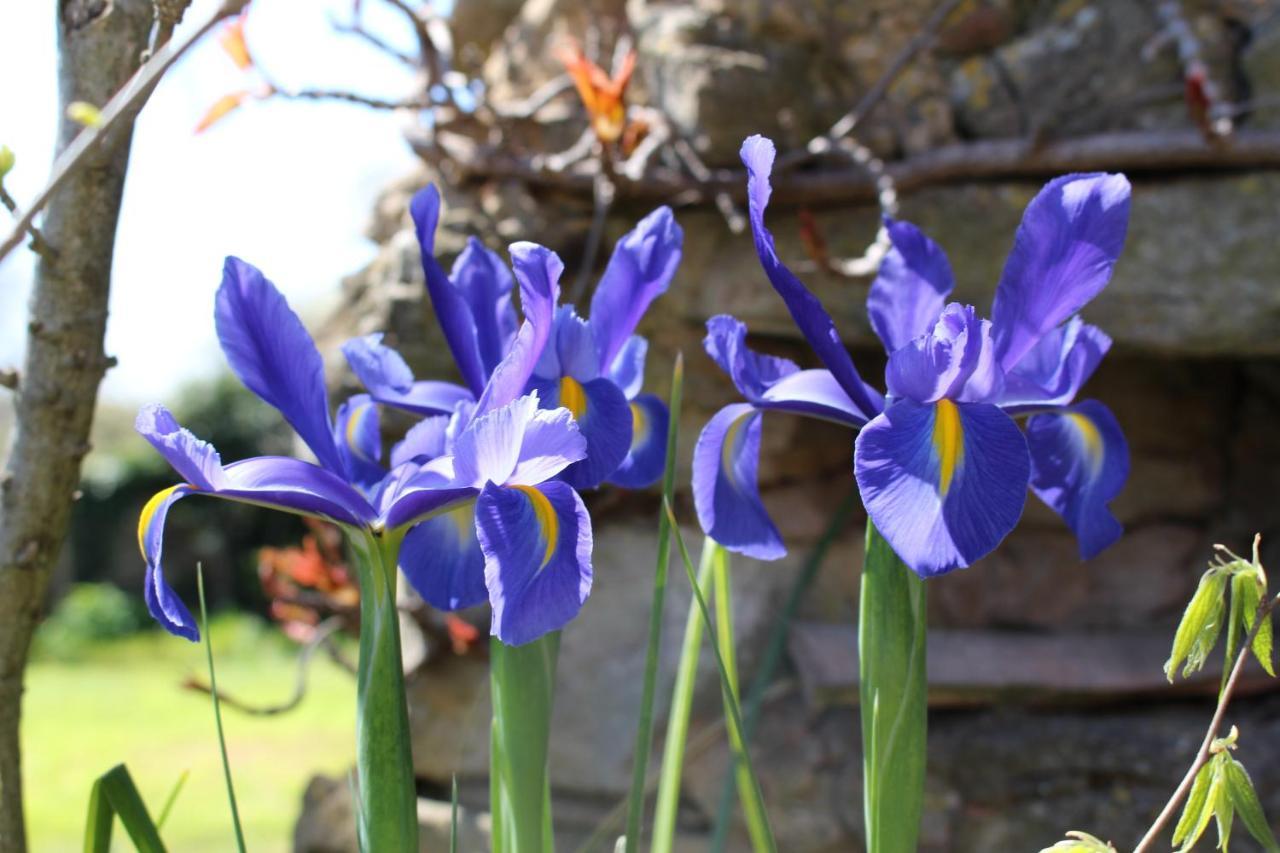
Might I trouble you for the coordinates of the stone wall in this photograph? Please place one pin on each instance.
(1194, 379)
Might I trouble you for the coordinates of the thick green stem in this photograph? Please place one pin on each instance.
(894, 698)
(388, 803)
(523, 687)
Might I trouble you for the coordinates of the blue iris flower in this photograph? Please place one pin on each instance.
(940, 462)
(594, 368)
(487, 475)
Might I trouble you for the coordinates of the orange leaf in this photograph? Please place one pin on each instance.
(601, 94)
(220, 108)
(232, 41)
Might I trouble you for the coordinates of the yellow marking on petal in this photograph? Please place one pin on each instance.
(640, 426)
(1088, 432)
(572, 397)
(548, 521)
(729, 451)
(948, 442)
(464, 521)
(148, 513)
(354, 423)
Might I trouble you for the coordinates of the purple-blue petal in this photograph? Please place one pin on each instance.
(285, 483)
(640, 269)
(627, 370)
(1080, 461)
(537, 546)
(1053, 371)
(646, 458)
(1070, 237)
(162, 602)
(943, 482)
(387, 377)
(451, 308)
(196, 461)
(815, 393)
(423, 441)
(269, 349)
(485, 283)
(911, 287)
(517, 444)
(810, 317)
(571, 350)
(358, 434)
(725, 489)
(603, 416)
(442, 560)
(955, 359)
(752, 373)
(538, 270)
(552, 441)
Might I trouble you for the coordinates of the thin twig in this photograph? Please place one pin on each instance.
(123, 104)
(430, 53)
(353, 98)
(1166, 814)
(360, 32)
(324, 631)
(39, 244)
(539, 98)
(724, 202)
(849, 122)
(602, 200)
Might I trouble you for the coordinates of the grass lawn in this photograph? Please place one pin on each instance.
(122, 702)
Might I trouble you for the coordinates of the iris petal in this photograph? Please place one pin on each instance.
(627, 370)
(943, 482)
(450, 307)
(646, 458)
(358, 434)
(602, 415)
(537, 546)
(911, 287)
(954, 359)
(424, 441)
(815, 393)
(441, 558)
(162, 602)
(640, 269)
(808, 313)
(752, 373)
(269, 349)
(725, 490)
(388, 379)
(196, 461)
(1052, 372)
(1080, 461)
(485, 284)
(1070, 237)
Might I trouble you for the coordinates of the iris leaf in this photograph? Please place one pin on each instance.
(114, 795)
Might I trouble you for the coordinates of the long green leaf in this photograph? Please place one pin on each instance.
(1193, 810)
(644, 728)
(773, 652)
(114, 795)
(217, 711)
(668, 800)
(894, 697)
(172, 798)
(754, 797)
(1201, 623)
(1241, 792)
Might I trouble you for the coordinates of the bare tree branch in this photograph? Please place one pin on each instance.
(120, 109)
(100, 46)
(38, 244)
(355, 29)
(353, 98)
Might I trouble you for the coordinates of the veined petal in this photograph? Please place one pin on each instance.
(196, 461)
(808, 313)
(725, 490)
(485, 284)
(388, 379)
(538, 271)
(943, 482)
(442, 560)
(604, 418)
(954, 359)
(451, 308)
(571, 351)
(1070, 237)
(627, 370)
(424, 441)
(647, 457)
(269, 349)
(552, 442)
(162, 602)
(537, 547)
(752, 373)
(911, 287)
(1080, 461)
(488, 449)
(815, 393)
(1053, 371)
(358, 434)
(640, 269)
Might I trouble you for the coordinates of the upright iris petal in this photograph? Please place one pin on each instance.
(388, 379)
(911, 287)
(485, 284)
(955, 359)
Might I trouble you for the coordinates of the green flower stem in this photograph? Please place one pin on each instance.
(664, 821)
(894, 697)
(387, 799)
(523, 686)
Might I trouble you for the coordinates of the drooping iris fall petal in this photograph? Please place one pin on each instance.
(647, 455)
(726, 493)
(441, 558)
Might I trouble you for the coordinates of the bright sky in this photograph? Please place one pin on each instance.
(288, 186)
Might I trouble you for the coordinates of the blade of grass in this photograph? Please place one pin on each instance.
(453, 817)
(757, 822)
(114, 795)
(673, 748)
(753, 797)
(217, 711)
(644, 728)
(772, 656)
(172, 798)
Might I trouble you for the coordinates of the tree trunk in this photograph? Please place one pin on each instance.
(100, 44)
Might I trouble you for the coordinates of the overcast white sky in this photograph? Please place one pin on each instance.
(286, 185)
